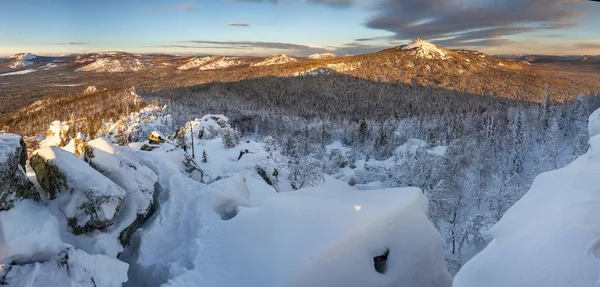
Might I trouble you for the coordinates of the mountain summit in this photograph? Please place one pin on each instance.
(424, 49)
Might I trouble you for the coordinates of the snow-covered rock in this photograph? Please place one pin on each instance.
(70, 268)
(87, 198)
(14, 184)
(275, 60)
(426, 50)
(551, 236)
(322, 56)
(22, 60)
(29, 233)
(318, 237)
(121, 165)
(56, 135)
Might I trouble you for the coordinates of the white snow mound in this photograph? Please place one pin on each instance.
(317, 237)
(322, 56)
(23, 60)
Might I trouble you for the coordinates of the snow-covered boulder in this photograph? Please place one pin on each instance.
(87, 198)
(14, 184)
(56, 135)
(550, 237)
(70, 268)
(121, 165)
(317, 237)
(155, 138)
(76, 145)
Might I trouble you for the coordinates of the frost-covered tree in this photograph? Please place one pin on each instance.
(305, 172)
(230, 137)
(270, 145)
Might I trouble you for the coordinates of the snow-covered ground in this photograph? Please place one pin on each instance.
(221, 63)
(22, 72)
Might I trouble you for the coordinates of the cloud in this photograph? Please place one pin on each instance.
(472, 22)
(70, 43)
(296, 49)
(185, 7)
(238, 24)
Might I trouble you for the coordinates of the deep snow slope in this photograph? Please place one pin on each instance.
(551, 236)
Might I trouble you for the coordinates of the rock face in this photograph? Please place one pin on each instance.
(71, 267)
(88, 199)
(14, 184)
(121, 165)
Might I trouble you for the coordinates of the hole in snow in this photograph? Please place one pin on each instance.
(380, 262)
(227, 210)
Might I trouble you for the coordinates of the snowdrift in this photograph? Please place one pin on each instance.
(551, 236)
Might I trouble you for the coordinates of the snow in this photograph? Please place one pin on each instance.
(121, 165)
(322, 56)
(22, 72)
(551, 236)
(56, 135)
(83, 184)
(110, 65)
(9, 145)
(353, 227)
(275, 60)
(70, 268)
(23, 60)
(28, 233)
(594, 123)
(426, 50)
(197, 62)
(222, 63)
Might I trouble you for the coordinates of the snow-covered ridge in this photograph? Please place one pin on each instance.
(197, 62)
(222, 63)
(110, 65)
(22, 60)
(426, 50)
(322, 56)
(275, 60)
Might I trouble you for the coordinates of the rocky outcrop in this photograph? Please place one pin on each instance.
(14, 184)
(121, 165)
(88, 199)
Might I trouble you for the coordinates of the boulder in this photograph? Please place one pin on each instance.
(155, 138)
(14, 183)
(121, 165)
(71, 267)
(88, 199)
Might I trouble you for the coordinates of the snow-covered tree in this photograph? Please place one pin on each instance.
(305, 172)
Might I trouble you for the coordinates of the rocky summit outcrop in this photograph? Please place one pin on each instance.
(88, 199)
(121, 165)
(14, 184)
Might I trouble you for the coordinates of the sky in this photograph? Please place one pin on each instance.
(297, 27)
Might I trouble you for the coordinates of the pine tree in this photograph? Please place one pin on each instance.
(204, 157)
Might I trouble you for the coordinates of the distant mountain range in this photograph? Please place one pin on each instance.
(419, 63)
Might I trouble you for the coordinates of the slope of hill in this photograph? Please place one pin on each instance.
(22, 60)
(275, 60)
